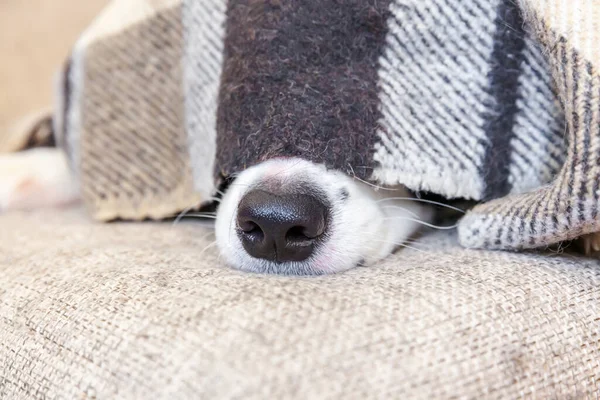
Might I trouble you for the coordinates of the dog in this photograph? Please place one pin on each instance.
(284, 216)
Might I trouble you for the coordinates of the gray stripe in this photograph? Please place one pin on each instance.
(506, 62)
(587, 133)
(66, 100)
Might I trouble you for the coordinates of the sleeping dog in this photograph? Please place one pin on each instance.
(285, 215)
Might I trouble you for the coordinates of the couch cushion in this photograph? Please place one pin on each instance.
(147, 310)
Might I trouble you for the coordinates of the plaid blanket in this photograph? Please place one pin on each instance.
(497, 101)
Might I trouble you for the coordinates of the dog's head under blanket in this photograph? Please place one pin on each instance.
(164, 100)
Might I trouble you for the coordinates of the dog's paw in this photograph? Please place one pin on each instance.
(35, 179)
(590, 244)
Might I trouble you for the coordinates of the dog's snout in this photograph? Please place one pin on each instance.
(281, 228)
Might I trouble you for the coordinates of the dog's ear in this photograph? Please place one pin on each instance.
(33, 131)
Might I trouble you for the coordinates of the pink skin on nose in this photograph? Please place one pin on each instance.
(277, 168)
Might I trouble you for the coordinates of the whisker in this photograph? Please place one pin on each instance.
(215, 199)
(207, 235)
(208, 247)
(397, 243)
(201, 216)
(402, 244)
(425, 223)
(416, 242)
(368, 183)
(410, 247)
(437, 203)
(403, 209)
(186, 211)
(182, 214)
(203, 213)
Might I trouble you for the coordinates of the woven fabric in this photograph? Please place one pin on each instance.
(468, 109)
(148, 311)
(204, 23)
(122, 114)
(161, 107)
(567, 208)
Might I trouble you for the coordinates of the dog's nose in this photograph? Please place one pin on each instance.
(280, 227)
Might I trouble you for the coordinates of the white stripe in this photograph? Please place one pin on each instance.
(405, 93)
(204, 31)
(424, 88)
(537, 168)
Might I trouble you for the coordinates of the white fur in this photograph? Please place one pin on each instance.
(366, 227)
(34, 179)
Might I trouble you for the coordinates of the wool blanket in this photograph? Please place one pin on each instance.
(498, 101)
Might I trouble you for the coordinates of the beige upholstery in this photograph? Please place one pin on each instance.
(147, 311)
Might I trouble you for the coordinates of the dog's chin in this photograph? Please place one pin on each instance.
(364, 225)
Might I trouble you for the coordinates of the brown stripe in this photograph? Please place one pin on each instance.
(300, 79)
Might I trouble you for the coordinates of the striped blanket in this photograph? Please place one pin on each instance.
(496, 101)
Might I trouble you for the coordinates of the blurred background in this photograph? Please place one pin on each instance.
(35, 39)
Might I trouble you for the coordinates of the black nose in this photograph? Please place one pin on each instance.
(280, 228)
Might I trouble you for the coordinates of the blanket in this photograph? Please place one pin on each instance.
(498, 101)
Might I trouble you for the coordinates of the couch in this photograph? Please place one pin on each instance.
(148, 310)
